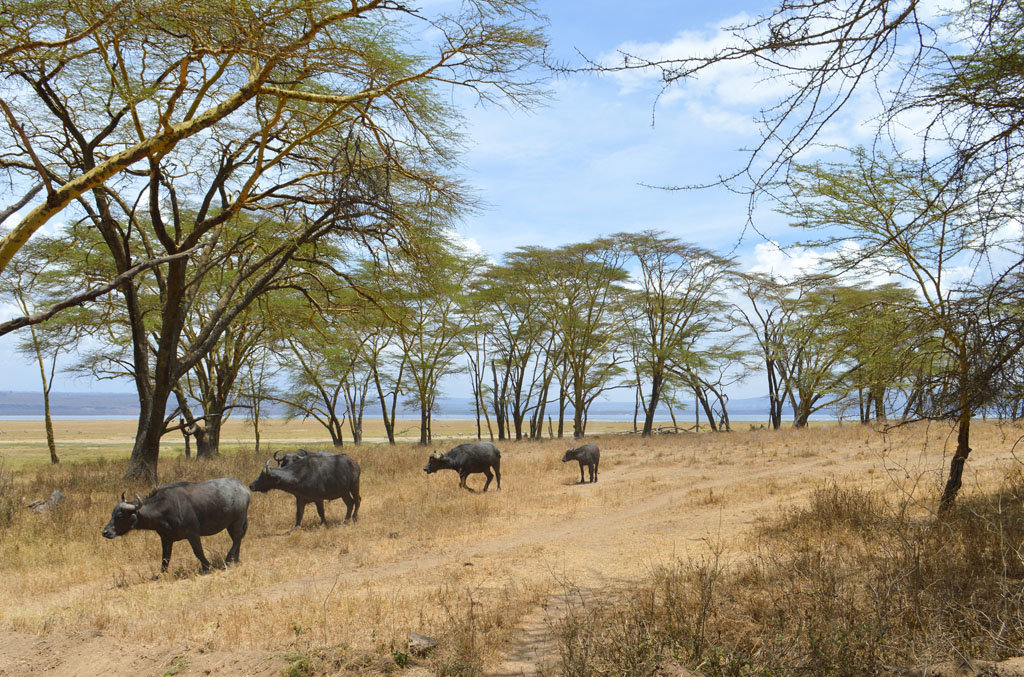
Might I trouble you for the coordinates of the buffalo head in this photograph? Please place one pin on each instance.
(124, 517)
(437, 461)
(266, 480)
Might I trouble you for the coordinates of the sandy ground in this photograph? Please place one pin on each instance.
(649, 506)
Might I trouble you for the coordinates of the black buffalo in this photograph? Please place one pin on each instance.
(186, 511)
(314, 477)
(469, 458)
(587, 455)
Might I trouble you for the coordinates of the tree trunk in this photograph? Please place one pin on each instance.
(424, 423)
(656, 382)
(956, 466)
(879, 397)
(208, 436)
(579, 428)
(561, 412)
(696, 412)
(142, 464)
(389, 422)
(775, 401)
(499, 403)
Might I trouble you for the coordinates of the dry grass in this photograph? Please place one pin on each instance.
(853, 583)
(469, 569)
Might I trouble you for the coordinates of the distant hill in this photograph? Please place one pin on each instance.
(100, 405)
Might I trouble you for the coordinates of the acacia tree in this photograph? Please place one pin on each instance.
(581, 301)
(348, 148)
(885, 348)
(676, 305)
(424, 299)
(165, 73)
(928, 231)
(512, 291)
(257, 386)
(28, 284)
(814, 355)
(763, 315)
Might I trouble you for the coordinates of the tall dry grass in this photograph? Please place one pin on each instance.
(467, 568)
(850, 584)
(302, 593)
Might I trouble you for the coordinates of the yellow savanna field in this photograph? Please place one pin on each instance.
(484, 573)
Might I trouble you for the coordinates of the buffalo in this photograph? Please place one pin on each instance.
(467, 459)
(186, 511)
(587, 455)
(314, 477)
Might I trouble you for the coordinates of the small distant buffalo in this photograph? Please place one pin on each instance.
(587, 455)
(186, 511)
(314, 477)
(467, 459)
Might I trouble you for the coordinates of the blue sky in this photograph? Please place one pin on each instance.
(573, 169)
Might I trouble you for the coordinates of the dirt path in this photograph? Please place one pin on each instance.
(655, 510)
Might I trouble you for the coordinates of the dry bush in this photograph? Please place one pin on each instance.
(850, 584)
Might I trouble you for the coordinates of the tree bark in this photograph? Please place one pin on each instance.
(956, 466)
(48, 421)
(656, 383)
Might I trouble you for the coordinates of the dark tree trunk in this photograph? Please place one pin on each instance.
(424, 423)
(956, 466)
(879, 397)
(561, 412)
(656, 382)
(579, 426)
(208, 436)
(703, 403)
(499, 403)
(775, 398)
(142, 464)
(389, 423)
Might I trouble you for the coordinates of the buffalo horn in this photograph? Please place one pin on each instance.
(266, 467)
(275, 457)
(138, 501)
(123, 498)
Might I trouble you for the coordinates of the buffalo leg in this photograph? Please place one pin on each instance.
(490, 476)
(593, 472)
(300, 508)
(581, 472)
(197, 548)
(356, 500)
(165, 558)
(349, 504)
(236, 532)
(497, 473)
(320, 511)
(462, 481)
